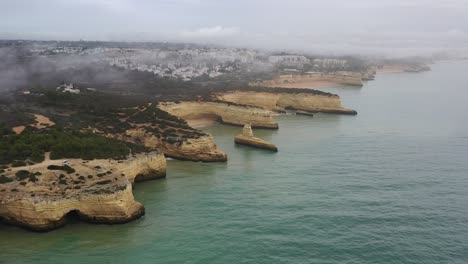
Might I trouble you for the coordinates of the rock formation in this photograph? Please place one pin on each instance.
(310, 79)
(297, 99)
(194, 149)
(247, 138)
(369, 75)
(41, 196)
(234, 114)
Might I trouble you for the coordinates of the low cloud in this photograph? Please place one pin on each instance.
(211, 32)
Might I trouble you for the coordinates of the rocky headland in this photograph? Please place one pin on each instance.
(247, 138)
(279, 99)
(42, 196)
(233, 113)
(199, 148)
(309, 80)
(399, 68)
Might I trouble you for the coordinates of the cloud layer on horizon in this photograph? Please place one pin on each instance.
(389, 26)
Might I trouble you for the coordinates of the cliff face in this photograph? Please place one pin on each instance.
(145, 167)
(193, 149)
(280, 101)
(226, 113)
(305, 80)
(98, 191)
(45, 213)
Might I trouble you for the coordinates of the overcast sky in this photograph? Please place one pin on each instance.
(391, 26)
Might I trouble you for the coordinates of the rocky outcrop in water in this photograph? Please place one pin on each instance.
(41, 196)
(247, 138)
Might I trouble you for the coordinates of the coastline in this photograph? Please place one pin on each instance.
(306, 84)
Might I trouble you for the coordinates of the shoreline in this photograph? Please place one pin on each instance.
(201, 122)
(391, 69)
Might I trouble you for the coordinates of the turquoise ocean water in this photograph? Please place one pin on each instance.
(389, 185)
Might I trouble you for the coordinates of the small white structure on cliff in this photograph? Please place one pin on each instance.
(70, 88)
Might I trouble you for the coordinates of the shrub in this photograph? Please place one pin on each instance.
(103, 182)
(65, 168)
(32, 177)
(22, 174)
(5, 179)
(18, 163)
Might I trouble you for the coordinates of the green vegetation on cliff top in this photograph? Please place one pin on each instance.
(33, 143)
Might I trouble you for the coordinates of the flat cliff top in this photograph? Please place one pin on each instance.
(284, 90)
(55, 180)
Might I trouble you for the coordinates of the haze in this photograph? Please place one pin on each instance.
(403, 27)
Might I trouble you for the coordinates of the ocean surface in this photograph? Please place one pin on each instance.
(389, 185)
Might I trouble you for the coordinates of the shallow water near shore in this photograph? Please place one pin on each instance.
(389, 185)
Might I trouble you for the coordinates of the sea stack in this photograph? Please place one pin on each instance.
(247, 138)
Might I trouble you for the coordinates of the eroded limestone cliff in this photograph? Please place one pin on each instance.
(41, 196)
(311, 79)
(202, 148)
(299, 100)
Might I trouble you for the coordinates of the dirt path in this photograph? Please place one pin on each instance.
(47, 162)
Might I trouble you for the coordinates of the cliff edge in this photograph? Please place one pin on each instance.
(296, 99)
(228, 113)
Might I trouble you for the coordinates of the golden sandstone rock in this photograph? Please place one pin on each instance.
(281, 100)
(225, 112)
(193, 149)
(308, 80)
(247, 138)
(99, 191)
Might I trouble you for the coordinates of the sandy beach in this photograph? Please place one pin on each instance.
(201, 122)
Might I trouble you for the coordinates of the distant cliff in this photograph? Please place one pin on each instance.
(310, 79)
(298, 99)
